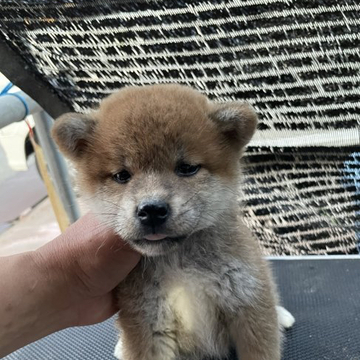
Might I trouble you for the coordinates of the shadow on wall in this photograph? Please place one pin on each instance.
(5, 170)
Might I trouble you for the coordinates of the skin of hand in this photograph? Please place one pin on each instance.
(68, 282)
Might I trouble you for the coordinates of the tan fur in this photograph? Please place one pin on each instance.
(195, 297)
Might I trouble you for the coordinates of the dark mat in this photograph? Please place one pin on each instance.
(323, 295)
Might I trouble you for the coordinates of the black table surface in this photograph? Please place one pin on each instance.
(323, 295)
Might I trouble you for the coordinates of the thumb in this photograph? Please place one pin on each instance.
(97, 256)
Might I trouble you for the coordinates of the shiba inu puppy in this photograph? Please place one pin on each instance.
(161, 165)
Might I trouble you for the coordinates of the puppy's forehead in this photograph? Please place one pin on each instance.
(153, 126)
(162, 102)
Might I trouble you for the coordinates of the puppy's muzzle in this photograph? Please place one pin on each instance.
(153, 213)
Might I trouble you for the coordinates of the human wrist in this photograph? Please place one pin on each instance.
(43, 281)
(55, 288)
(28, 312)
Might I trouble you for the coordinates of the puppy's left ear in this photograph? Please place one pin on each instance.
(237, 121)
(72, 133)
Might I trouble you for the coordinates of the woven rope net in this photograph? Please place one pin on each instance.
(296, 61)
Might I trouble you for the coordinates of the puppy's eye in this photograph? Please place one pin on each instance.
(187, 169)
(122, 177)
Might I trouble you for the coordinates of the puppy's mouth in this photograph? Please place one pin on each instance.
(157, 239)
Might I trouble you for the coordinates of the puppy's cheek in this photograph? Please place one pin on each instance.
(186, 221)
(126, 226)
(104, 210)
(213, 204)
(116, 211)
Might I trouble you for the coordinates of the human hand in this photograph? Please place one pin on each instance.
(86, 263)
(68, 282)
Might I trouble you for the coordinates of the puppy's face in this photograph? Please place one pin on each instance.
(158, 163)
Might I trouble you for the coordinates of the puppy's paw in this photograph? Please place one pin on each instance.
(286, 320)
(118, 350)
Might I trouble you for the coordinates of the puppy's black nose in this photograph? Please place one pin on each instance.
(153, 213)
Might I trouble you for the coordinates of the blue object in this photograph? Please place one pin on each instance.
(17, 95)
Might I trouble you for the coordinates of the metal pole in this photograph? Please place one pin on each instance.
(57, 165)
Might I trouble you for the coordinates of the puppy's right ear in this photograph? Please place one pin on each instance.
(72, 133)
(237, 121)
